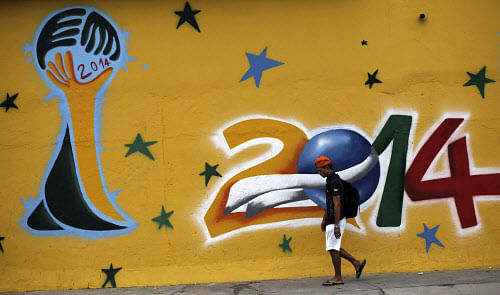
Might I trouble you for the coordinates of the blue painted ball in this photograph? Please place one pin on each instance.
(346, 148)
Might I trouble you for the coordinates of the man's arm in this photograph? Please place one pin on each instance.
(336, 208)
(323, 222)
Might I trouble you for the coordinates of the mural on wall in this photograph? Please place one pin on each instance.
(77, 51)
(283, 184)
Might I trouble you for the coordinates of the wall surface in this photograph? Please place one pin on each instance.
(172, 142)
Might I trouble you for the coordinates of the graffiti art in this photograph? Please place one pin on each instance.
(77, 51)
(283, 185)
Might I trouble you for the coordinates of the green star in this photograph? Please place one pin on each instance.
(209, 172)
(479, 80)
(110, 275)
(163, 218)
(286, 244)
(141, 146)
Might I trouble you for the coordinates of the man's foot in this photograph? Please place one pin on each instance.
(360, 269)
(332, 282)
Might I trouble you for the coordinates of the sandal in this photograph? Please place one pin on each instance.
(332, 283)
(360, 270)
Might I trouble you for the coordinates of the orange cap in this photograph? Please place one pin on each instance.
(322, 161)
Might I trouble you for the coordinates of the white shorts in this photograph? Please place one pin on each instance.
(332, 243)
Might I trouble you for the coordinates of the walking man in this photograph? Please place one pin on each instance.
(334, 221)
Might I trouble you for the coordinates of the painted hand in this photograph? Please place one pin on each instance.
(62, 74)
(81, 102)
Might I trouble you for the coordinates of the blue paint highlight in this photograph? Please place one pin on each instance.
(27, 48)
(125, 34)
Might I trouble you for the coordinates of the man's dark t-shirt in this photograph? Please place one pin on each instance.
(333, 188)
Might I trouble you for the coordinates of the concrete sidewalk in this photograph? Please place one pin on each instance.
(474, 282)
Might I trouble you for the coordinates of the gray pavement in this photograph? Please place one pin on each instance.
(460, 282)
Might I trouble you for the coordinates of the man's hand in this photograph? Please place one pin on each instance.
(337, 233)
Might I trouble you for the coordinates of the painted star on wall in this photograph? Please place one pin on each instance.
(187, 15)
(372, 79)
(364, 42)
(110, 275)
(209, 172)
(258, 64)
(1, 239)
(163, 219)
(9, 102)
(285, 245)
(430, 237)
(479, 80)
(139, 145)
(27, 48)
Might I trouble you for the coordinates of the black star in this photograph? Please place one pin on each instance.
(209, 172)
(110, 275)
(141, 146)
(187, 15)
(479, 80)
(9, 102)
(364, 42)
(372, 79)
(1, 239)
(163, 218)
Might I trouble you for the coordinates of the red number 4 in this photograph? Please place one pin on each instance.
(461, 185)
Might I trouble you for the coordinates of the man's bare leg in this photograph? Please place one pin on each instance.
(358, 265)
(336, 265)
(344, 254)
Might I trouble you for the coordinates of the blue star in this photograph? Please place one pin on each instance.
(145, 66)
(430, 237)
(258, 64)
(126, 34)
(125, 60)
(27, 48)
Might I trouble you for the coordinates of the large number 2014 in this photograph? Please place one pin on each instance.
(460, 185)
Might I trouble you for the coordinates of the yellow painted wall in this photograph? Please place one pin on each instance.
(183, 89)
